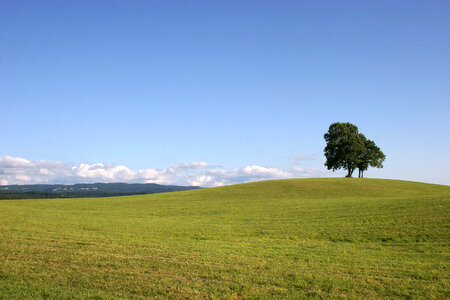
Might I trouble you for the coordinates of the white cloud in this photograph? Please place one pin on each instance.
(264, 172)
(22, 171)
(14, 162)
(23, 177)
(44, 171)
(103, 172)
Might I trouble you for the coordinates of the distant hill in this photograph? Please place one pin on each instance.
(34, 191)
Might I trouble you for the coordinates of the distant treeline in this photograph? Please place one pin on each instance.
(38, 191)
(38, 194)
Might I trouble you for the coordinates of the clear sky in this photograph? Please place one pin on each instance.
(219, 92)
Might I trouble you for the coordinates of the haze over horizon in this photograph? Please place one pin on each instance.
(215, 93)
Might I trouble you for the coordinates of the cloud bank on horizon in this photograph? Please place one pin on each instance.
(15, 170)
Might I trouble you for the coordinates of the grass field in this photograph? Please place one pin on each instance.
(333, 237)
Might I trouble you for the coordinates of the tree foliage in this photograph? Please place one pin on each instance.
(348, 149)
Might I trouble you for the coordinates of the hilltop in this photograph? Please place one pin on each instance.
(330, 237)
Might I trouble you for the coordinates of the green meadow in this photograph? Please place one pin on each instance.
(299, 238)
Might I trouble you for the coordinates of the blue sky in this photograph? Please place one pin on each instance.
(231, 91)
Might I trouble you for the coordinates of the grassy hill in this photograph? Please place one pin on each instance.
(334, 237)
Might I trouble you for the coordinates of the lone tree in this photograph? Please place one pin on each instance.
(348, 149)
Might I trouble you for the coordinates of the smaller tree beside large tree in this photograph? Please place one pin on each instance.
(348, 149)
(372, 156)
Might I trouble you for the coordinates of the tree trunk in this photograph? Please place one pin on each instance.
(362, 174)
(350, 171)
(359, 173)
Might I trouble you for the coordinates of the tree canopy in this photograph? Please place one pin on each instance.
(348, 149)
(371, 156)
